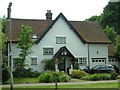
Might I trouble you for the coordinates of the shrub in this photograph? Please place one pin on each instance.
(113, 75)
(62, 77)
(49, 76)
(78, 74)
(46, 77)
(18, 72)
(95, 77)
(5, 74)
(49, 64)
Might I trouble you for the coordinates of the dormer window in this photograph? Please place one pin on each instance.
(34, 37)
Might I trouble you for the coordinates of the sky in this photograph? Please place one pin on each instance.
(77, 10)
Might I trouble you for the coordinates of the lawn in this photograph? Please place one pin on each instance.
(97, 85)
(24, 80)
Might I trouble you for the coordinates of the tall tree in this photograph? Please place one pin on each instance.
(93, 18)
(25, 43)
(111, 33)
(3, 58)
(4, 21)
(111, 16)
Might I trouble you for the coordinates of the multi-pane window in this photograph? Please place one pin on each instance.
(47, 51)
(61, 40)
(82, 61)
(33, 61)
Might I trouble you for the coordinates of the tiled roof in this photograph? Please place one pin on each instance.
(89, 32)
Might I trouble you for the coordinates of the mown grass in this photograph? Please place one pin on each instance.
(24, 80)
(97, 85)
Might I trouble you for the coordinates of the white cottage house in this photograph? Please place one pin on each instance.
(82, 42)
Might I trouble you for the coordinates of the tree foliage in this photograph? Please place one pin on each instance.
(111, 33)
(25, 43)
(117, 50)
(93, 18)
(111, 16)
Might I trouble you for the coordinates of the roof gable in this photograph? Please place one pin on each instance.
(69, 24)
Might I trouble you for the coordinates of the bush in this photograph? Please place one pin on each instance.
(78, 74)
(96, 77)
(18, 72)
(46, 78)
(5, 74)
(49, 76)
(113, 75)
(62, 77)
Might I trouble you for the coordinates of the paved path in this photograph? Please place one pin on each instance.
(66, 83)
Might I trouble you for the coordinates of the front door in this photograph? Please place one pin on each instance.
(61, 64)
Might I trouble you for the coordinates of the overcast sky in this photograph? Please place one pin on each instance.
(78, 10)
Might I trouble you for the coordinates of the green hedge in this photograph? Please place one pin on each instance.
(103, 76)
(49, 76)
(78, 74)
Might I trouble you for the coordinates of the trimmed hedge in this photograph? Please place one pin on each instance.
(103, 76)
(78, 74)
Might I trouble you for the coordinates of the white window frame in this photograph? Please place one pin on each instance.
(48, 51)
(82, 61)
(60, 40)
(35, 61)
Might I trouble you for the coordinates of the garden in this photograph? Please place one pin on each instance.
(29, 76)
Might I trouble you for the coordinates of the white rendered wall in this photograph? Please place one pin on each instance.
(102, 50)
(73, 44)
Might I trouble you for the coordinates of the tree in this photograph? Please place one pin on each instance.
(4, 21)
(111, 16)
(3, 58)
(111, 33)
(93, 18)
(25, 43)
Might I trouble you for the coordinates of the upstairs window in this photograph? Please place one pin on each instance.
(34, 37)
(47, 51)
(60, 40)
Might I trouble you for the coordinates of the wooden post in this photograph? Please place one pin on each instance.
(56, 67)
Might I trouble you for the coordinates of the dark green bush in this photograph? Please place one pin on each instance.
(5, 74)
(113, 75)
(46, 78)
(78, 74)
(49, 76)
(18, 72)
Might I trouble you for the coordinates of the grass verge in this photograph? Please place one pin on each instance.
(97, 85)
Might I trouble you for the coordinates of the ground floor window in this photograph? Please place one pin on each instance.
(34, 61)
(82, 61)
(47, 51)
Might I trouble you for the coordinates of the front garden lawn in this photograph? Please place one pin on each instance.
(97, 85)
(24, 80)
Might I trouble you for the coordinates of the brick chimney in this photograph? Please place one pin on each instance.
(48, 15)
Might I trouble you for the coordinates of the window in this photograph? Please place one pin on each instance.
(33, 61)
(82, 61)
(34, 37)
(47, 51)
(61, 40)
